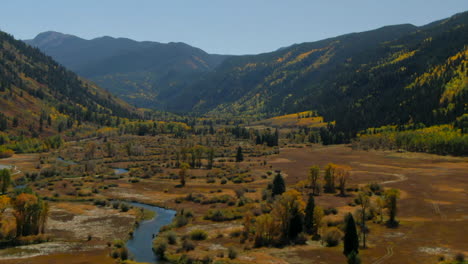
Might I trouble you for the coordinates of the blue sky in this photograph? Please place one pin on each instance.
(218, 26)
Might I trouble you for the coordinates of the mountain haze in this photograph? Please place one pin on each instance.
(139, 72)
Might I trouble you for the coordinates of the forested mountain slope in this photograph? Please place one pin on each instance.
(39, 97)
(392, 75)
(142, 73)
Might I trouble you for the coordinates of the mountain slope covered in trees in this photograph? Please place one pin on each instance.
(392, 75)
(38, 97)
(142, 73)
(396, 75)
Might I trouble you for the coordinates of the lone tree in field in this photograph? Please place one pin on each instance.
(279, 187)
(309, 215)
(239, 155)
(210, 158)
(342, 175)
(380, 205)
(183, 173)
(391, 198)
(364, 202)
(330, 178)
(314, 174)
(351, 239)
(5, 180)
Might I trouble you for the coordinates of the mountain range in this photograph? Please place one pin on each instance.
(392, 75)
(139, 72)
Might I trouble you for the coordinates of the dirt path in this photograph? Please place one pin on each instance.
(10, 167)
(400, 178)
(17, 171)
(386, 256)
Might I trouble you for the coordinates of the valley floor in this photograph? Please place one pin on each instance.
(433, 209)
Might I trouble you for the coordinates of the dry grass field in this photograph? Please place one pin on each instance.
(433, 209)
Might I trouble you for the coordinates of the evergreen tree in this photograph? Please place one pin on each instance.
(5, 180)
(239, 155)
(309, 215)
(276, 138)
(279, 187)
(351, 239)
(295, 223)
(3, 122)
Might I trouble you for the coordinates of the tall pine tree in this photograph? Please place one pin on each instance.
(239, 155)
(309, 215)
(279, 187)
(351, 239)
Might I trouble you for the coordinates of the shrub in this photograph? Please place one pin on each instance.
(115, 254)
(6, 153)
(123, 253)
(188, 213)
(198, 235)
(235, 233)
(301, 239)
(376, 188)
(159, 247)
(331, 210)
(219, 215)
(171, 237)
(124, 207)
(118, 243)
(115, 205)
(210, 180)
(232, 253)
(100, 202)
(460, 258)
(187, 245)
(180, 220)
(332, 237)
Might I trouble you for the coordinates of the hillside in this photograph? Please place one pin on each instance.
(398, 74)
(142, 73)
(392, 75)
(38, 97)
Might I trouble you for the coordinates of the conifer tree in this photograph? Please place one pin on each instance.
(239, 156)
(309, 215)
(351, 239)
(5, 180)
(279, 187)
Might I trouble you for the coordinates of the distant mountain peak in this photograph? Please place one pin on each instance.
(50, 38)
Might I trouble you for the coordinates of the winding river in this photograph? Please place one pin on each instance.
(141, 245)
